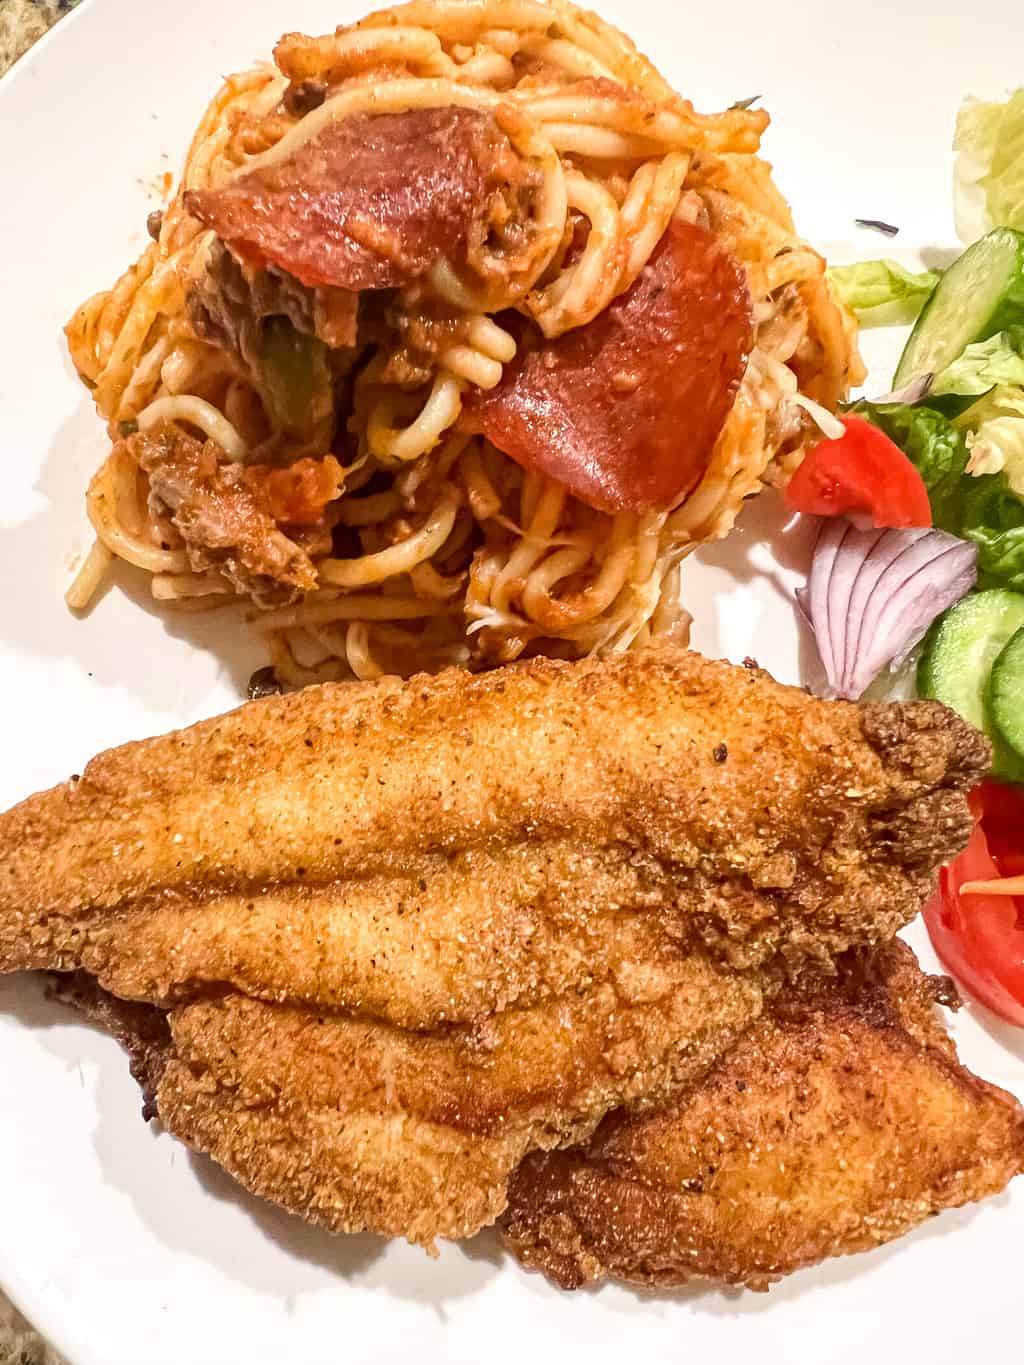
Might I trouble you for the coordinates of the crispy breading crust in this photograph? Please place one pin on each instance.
(433, 851)
(839, 1122)
(407, 933)
(358, 1125)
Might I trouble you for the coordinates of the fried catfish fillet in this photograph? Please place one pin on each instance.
(358, 1125)
(839, 1122)
(407, 933)
(433, 851)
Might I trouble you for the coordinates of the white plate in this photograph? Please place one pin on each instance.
(121, 1246)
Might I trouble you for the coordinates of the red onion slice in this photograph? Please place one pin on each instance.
(877, 561)
(853, 559)
(830, 538)
(918, 388)
(871, 595)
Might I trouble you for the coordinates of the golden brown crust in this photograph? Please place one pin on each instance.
(357, 1125)
(840, 1121)
(408, 933)
(432, 851)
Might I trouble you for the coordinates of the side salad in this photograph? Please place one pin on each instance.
(919, 563)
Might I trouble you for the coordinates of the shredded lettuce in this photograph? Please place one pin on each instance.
(994, 432)
(882, 293)
(988, 180)
(980, 507)
(982, 365)
(968, 445)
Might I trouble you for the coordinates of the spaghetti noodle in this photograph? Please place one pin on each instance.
(460, 332)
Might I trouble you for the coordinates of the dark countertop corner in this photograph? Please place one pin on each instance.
(23, 21)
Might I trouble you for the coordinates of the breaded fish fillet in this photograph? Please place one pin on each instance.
(839, 1122)
(432, 851)
(357, 1125)
(407, 933)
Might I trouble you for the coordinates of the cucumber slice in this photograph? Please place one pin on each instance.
(1006, 694)
(980, 294)
(957, 663)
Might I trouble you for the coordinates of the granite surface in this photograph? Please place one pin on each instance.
(19, 1345)
(21, 23)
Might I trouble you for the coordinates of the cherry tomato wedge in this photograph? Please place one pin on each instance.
(980, 938)
(862, 472)
(1002, 814)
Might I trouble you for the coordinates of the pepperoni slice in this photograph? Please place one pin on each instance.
(625, 411)
(366, 203)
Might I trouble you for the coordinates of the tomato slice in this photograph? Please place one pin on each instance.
(862, 472)
(980, 938)
(1001, 809)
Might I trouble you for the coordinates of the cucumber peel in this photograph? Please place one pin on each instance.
(980, 294)
(957, 664)
(1006, 693)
